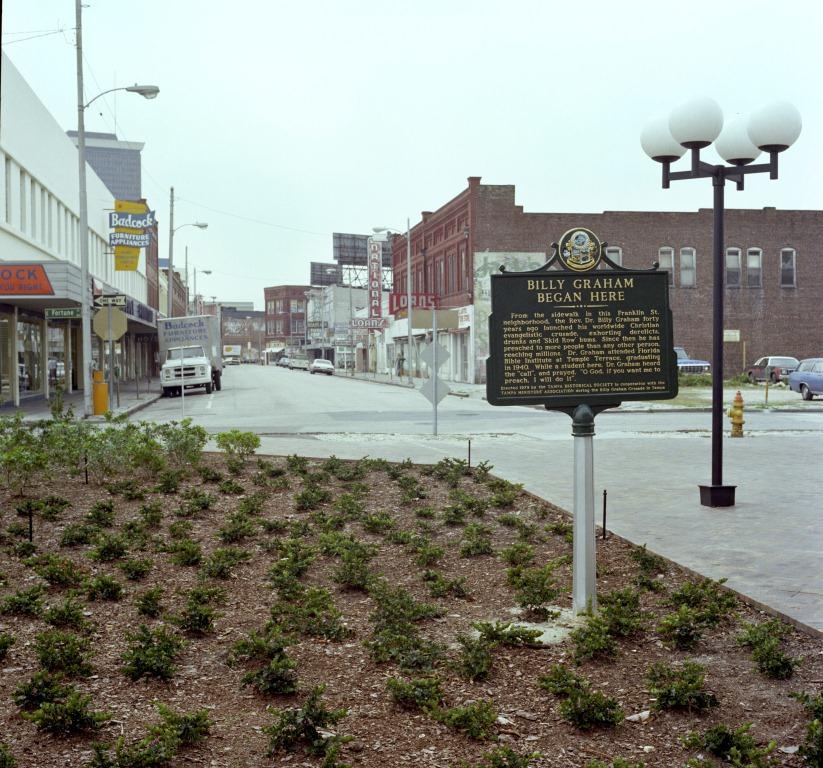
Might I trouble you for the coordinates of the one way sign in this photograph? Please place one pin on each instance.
(112, 300)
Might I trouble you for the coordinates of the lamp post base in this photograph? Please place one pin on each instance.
(717, 495)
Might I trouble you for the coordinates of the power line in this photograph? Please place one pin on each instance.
(254, 220)
(32, 37)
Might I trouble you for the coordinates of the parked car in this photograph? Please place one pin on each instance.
(686, 364)
(808, 378)
(283, 362)
(231, 361)
(321, 366)
(772, 369)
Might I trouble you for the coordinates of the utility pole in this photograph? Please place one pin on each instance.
(170, 301)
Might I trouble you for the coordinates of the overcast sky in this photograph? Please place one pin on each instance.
(280, 122)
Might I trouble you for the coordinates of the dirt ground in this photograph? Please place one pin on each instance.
(382, 733)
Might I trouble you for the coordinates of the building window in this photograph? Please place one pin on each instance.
(278, 327)
(788, 276)
(295, 306)
(23, 191)
(665, 261)
(732, 267)
(688, 268)
(278, 306)
(754, 268)
(615, 254)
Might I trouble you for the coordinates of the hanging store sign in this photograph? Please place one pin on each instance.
(369, 323)
(131, 221)
(375, 264)
(24, 280)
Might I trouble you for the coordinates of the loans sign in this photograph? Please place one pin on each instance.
(560, 337)
(375, 264)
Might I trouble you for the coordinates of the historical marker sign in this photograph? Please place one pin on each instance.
(558, 338)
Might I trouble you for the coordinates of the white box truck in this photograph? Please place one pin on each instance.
(190, 350)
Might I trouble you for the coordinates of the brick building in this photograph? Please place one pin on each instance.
(285, 316)
(244, 328)
(773, 268)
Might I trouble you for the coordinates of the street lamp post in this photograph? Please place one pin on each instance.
(172, 230)
(147, 92)
(408, 289)
(694, 126)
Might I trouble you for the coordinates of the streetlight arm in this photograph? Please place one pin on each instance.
(146, 91)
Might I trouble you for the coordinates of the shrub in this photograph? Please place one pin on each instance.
(468, 503)
(620, 609)
(587, 709)
(235, 443)
(561, 681)
(506, 757)
(506, 633)
(151, 653)
(195, 501)
(476, 541)
(306, 726)
(520, 553)
(274, 677)
(24, 602)
(6, 757)
(679, 688)
(182, 442)
(683, 628)
(41, 687)
(811, 750)
(180, 529)
(475, 720)
(6, 642)
(618, 762)
(135, 570)
(77, 533)
(312, 612)
(104, 587)
(440, 586)
(449, 470)
(67, 716)
(593, 640)
(563, 529)
(109, 546)
(764, 640)
(238, 527)
(534, 587)
(152, 514)
(420, 693)
(185, 728)
(427, 554)
(648, 565)
(707, 599)
(148, 603)
(378, 522)
(219, 564)
(475, 661)
(504, 493)
(69, 613)
(735, 746)
(101, 514)
(63, 652)
(57, 571)
(185, 552)
(209, 474)
(354, 572)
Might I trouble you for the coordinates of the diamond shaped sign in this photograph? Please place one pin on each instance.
(427, 356)
(427, 390)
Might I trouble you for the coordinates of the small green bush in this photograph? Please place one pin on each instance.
(238, 527)
(505, 757)
(587, 709)
(427, 554)
(76, 534)
(152, 514)
(220, 563)
(196, 618)
(185, 552)
(63, 652)
(57, 571)
(108, 547)
(6, 757)
(306, 726)
(518, 554)
(209, 475)
(561, 681)
(421, 693)
(41, 687)
(104, 587)
(505, 495)
(475, 661)
(169, 481)
(68, 614)
(506, 633)
(378, 522)
(618, 762)
(148, 603)
(534, 587)
(707, 599)
(683, 628)
(151, 653)
(231, 487)
(67, 716)
(679, 687)
(311, 497)
(476, 541)
(24, 602)
(764, 640)
(735, 746)
(440, 586)
(593, 640)
(180, 529)
(475, 720)
(235, 443)
(136, 569)
(620, 609)
(101, 514)
(312, 612)
(6, 642)
(811, 750)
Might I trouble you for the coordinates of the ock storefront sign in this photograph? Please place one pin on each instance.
(375, 278)
(24, 280)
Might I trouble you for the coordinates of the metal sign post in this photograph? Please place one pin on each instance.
(580, 339)
(107, 310)
(434, 371)
(182, 387)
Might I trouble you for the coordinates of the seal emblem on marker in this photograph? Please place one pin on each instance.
(580, 250)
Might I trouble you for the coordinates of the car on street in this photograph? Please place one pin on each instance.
(772, 369)
(808, 378)
(231, 361)
(283, 362)
(321, 366)
(686, 364)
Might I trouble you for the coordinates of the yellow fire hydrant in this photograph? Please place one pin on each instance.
(736, 415)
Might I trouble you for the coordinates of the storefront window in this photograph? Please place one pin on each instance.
(6, 364)
(29, 355)
(57, 361)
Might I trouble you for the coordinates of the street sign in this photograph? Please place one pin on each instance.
(731, 335)
(63, 313)
(428, 389)
(112, 300)
(109, 318)
(427, 356)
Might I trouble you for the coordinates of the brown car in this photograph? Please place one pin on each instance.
(772, 369)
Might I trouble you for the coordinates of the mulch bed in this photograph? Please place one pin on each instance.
(383, 734)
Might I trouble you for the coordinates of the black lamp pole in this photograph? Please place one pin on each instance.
(717, 494)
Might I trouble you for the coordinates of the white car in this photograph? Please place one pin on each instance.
(321, 366)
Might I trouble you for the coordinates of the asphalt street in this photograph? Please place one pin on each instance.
(768, 545)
